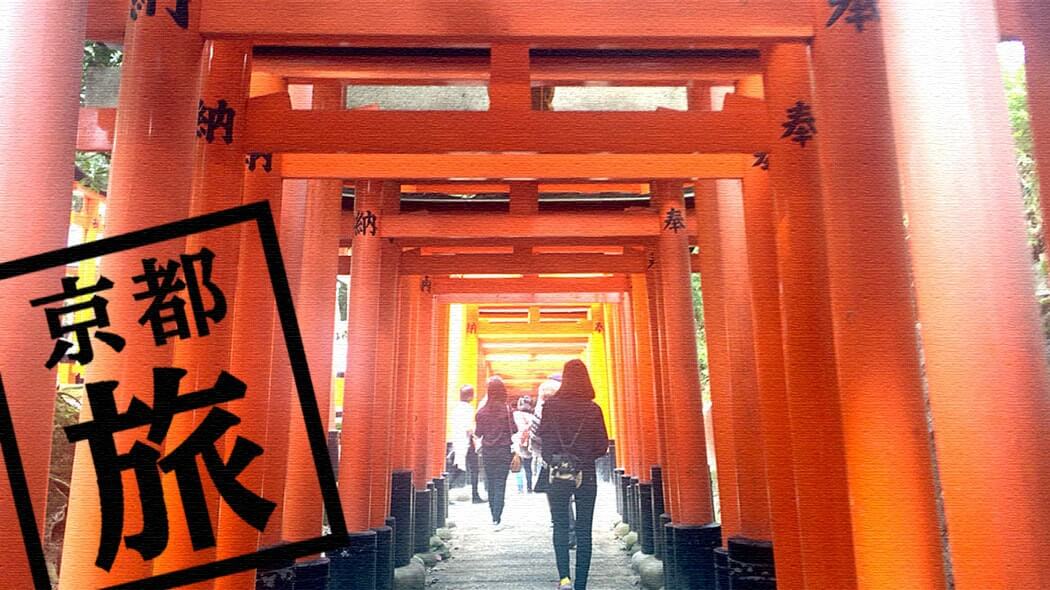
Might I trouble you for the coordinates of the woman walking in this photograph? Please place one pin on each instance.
(523, 420)
(574, 437)
(495, 426)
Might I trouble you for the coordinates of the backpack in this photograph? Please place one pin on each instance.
(566, 466)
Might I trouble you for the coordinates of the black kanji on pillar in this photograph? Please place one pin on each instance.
(426, 284)
(209, 119)
(800, 125)
(365, 222)
(860, 12)
(180, 14)
(674, 220)
(761, 160)
(651, 261)
(253, 158)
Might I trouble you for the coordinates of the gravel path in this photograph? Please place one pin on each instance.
(521, 557)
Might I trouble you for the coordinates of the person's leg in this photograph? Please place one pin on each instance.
(519, 478)
(501, 467)
(491, 482)
(473, 471)
(558, 499)
(585, 497)
(526, 466)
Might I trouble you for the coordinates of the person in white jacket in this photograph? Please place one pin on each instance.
(464, 446)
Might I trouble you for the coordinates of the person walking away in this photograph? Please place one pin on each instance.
(495, 427)
(573, 432)
(464, 446)
(523, 420)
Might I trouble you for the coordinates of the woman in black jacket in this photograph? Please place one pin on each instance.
(494, 426)
(573, 424)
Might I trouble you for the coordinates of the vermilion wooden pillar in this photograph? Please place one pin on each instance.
(233, 536)
(693, 477)
(315, 309)
(617, 394)
(225, 70)
(629, 359)
(984, 354)
(712, 287)
(888, 454)
(401, 455)
(659, 352)
(150, 183)
(749, 442)
(38, 104)
(357, 462)
(386, 355)
(642, 336)
(422, 392)
(817, 441)
(760, 225)
(440, 417)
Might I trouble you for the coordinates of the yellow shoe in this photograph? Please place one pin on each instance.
(565, 584)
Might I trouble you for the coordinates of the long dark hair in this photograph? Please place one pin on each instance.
(575, 382)
(495, 395)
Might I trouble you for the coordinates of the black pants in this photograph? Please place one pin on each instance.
(473, 471)
(526, 466)
(497, 467)
(560, 496)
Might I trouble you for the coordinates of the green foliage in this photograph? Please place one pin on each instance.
(95, 166)
(97, 55)
(701, 338)
(67, 412)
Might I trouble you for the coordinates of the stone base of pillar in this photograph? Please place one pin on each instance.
(401, 505)
(440, 502)
(656, 475)
(670, 567)
(354, 567)
(636, 506)
(421, 522)
(750, 564)
(720, 558)
(384, 558)
(660, 532)
(617, 480)
(645, 518)
(693, 561)
(312, 575)
(275, 579)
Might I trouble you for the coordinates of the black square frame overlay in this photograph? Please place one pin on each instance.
(260, 214)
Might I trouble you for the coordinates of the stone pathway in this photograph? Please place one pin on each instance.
(521, 557)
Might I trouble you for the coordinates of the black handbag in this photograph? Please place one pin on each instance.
(566, 466)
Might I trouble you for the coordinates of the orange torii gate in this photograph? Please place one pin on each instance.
(812, 284)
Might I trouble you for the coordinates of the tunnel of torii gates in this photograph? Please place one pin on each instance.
(869, 453)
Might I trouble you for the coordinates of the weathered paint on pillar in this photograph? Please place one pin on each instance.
(150, 183)
(693, 477)
(356, 465)
(759, 216)
(712, 286)
(809, 355)
(896, 533)
(748, 438)
(984, 354)
(39, 81)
